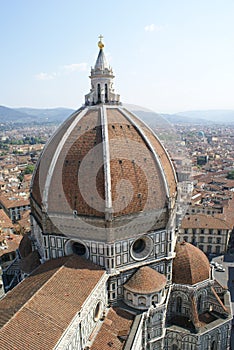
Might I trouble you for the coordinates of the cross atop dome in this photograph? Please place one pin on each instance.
(102, 90)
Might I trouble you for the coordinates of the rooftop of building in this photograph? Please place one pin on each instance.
(114, 330)
(9, 242)
(203, 221)
(53, 293)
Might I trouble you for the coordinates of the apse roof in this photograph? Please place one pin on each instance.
(146, 281)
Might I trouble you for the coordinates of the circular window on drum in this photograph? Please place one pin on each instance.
(76, 247)
(141, 248)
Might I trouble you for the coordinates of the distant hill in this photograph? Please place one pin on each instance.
(155, 119)
(215, 116)
(189, 117)
(58, 115)
(150, 117)
(182, 119)
(52, 115)
(10, 114)
(34, 115)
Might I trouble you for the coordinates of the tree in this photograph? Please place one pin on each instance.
(230, 175)
(29, 169)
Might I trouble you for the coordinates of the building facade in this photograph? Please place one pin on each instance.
(209, 233)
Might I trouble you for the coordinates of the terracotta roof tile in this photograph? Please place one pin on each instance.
(114, 330)
(10, 241)
(163, 156)
(132, 161)
(145, 281)
(5, 221)
(39, 176)
(44, 304)
(204, 221)
(12, 203)
(190, 265)
(85, 136)
(133, 168)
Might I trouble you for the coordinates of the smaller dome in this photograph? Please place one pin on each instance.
(146, 281)
(190, 265)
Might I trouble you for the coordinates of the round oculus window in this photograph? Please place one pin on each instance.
(77, 248)
(141, 248)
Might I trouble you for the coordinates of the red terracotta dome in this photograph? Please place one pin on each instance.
(146, 281)
(190, 265)
(80, 140)
(103, 165)
(104, 169)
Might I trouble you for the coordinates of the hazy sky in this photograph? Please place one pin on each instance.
(167, 55)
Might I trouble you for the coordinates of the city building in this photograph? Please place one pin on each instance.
(14, 206)
(209, 233)
(101, 268)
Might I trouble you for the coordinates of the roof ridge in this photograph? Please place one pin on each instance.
(219, 300)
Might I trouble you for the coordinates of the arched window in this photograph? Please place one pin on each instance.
(129, 296)
(199, 303)
(106, 93)
(99, 92)
(178, 304)
(155, 299)
(141, 301)
(213, 345)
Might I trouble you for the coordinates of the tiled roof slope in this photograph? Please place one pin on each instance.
(5, 221)
(190, 265)
(114, 330)
(163, 156)
(10, 241)
(132, 161)
(39, 176)
(145, 281)
(201, 221)
(36, 312)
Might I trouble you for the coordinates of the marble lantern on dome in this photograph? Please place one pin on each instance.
(102, 90)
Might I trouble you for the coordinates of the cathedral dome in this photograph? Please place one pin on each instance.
(190, 265)
(103, 167)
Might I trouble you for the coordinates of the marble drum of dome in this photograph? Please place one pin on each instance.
(103, 174)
